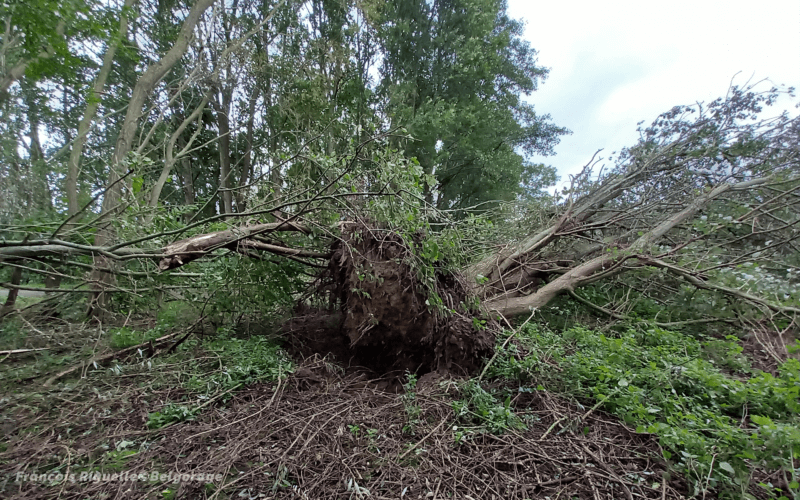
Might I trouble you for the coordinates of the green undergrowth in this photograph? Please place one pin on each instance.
(206, 369)
(482, 410)
(124, 337)
(242, 362)
(716, 419)
(476, 410)
(216, 367)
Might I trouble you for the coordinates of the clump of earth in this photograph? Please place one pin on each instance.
(370, 311)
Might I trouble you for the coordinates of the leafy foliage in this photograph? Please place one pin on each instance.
(714, 427)
(170, 414)
(479, 407)
(242, 362)
(453, 74)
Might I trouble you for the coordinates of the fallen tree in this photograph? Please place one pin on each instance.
(707, 202)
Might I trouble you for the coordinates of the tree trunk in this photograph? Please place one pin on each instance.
(11, 299)
(141, 92)
(247, 160)
(92, 103)
(608, 264)
(39, 194)
(223, 109)
(186, 177)
(171, 157)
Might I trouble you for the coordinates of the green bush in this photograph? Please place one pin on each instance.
(171, 413)
(479, 407)
(713, 427)
(123, 337)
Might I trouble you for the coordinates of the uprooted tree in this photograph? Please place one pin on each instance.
(699, 220)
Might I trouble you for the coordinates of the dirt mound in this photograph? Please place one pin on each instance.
(376, 313)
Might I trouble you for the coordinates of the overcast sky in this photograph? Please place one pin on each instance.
(615, 63)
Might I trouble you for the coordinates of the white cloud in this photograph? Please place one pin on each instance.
(615, 63)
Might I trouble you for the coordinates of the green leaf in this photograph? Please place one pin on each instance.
(759, 420)
(137, 184)
(726, 467)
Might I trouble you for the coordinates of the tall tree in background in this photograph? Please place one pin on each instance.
(454, 73)
(217, 108)
(125, 139)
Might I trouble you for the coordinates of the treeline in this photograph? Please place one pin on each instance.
(212, 104)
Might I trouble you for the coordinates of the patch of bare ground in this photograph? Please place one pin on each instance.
(321, 434)
(768, 350)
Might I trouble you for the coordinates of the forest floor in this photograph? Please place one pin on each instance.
(251, 422)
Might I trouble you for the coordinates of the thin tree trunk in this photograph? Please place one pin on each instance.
(40, 195)
(141, 92)
(223, 123)
(11, 299)
(171, 157)
(92, 103)
(269, 101)
(247, 161)
(186, 177)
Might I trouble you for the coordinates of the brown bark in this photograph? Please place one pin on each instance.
(11, 299)
(52, 282)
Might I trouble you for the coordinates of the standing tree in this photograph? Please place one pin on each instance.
(454, 74)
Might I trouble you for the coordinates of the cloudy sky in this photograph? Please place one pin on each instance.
(615, 63)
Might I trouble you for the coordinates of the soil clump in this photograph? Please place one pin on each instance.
(372, 310)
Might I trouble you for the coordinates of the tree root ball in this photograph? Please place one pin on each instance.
(369, 309)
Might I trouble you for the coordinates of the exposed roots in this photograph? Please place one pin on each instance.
(377, 313)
